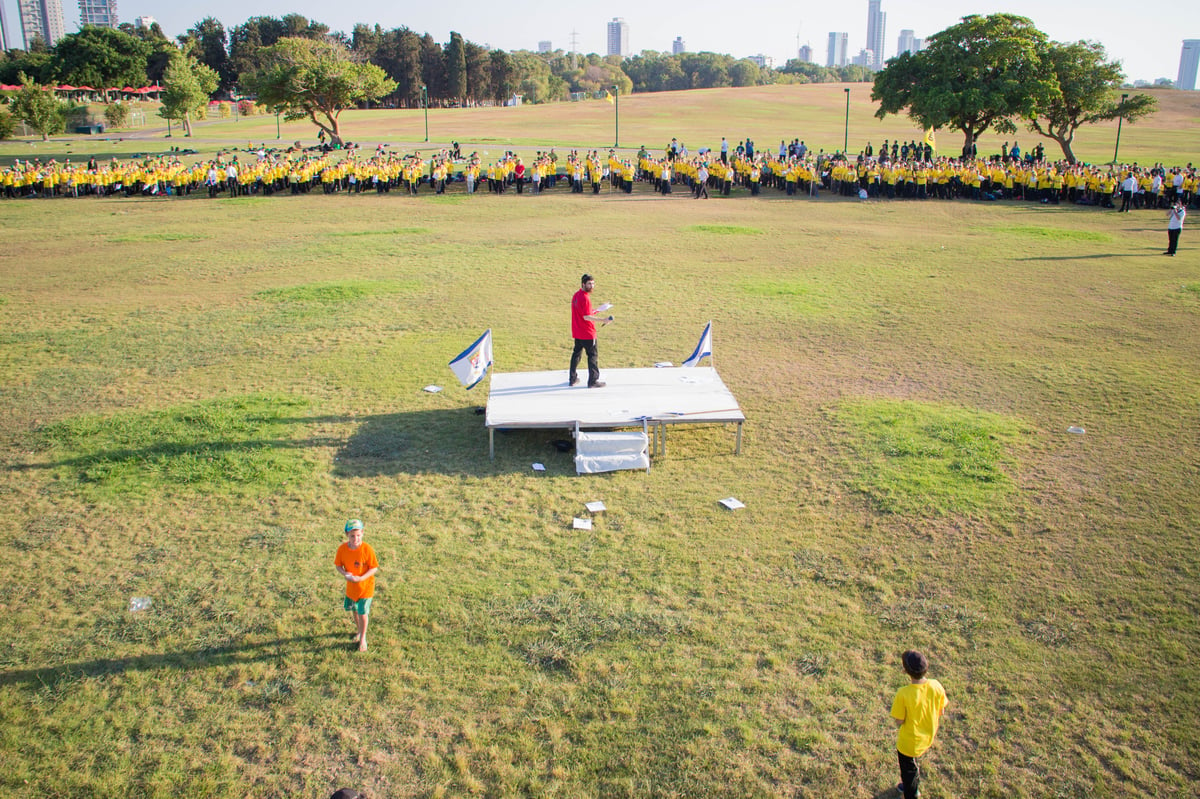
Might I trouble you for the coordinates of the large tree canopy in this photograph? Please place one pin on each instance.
(316, 80)
(979, 74)
(101, 58)
(1087, 89)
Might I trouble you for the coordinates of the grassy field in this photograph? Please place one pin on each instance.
(816, 113)
(196, 394)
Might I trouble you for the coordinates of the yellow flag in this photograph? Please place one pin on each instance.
(608, 96)
(929, 139)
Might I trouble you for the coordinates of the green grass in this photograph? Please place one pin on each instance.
(725, 230)
(920, 459)
(908, 370)
(238, 443)
(1056, 234)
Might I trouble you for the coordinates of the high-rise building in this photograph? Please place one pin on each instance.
(41, 20)
(545, 47)
(907, 43)
(838, 45)
(1189, 60)
(806, 54)
(678, 46)
(865, 58)
(3, 28)
(101, 13)
(145, 23)
(618, 37)
(875, 26)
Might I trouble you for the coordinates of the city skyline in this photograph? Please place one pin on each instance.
(1135, 40)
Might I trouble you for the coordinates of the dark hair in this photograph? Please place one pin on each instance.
(586, 277)
(915, 664)
(347, 793)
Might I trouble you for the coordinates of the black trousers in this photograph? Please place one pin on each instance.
(587, 345)
(910, 775)
(1173, 239)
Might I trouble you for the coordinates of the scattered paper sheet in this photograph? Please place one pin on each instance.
(539, 467)
(138, 603)
(603, 308)
(663, 365)
(1076, 430)
(582, 524)
(595, 507)
(432, 389)
(731, 503)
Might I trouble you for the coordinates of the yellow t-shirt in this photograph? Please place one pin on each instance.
(919, 706)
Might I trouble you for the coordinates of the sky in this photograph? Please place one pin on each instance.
(1146, 41)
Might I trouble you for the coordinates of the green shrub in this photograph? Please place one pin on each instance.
(116, 115)
(8, 125)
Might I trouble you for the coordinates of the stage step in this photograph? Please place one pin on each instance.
(608, 452)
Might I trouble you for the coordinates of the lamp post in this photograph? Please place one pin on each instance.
(425, 105)
(1120, 119)
(846, 136)
(278, 132)
(616, 117)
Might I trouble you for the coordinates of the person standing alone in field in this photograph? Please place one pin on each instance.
(355, 560)
(1175, 226)
(917, 709)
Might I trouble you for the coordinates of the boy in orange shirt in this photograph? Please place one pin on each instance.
(917, 709)
(356, 562)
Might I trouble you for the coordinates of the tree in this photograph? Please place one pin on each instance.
(504, 76)
(101, 58)
(479, 71)
(316, 80)
(456, 68)
(978, 74)
(206, 42)
(1087, 93)
(187, 85)
(38, 108)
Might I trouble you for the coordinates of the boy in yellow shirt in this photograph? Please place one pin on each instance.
(917, 709)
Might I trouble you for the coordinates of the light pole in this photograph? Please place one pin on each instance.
(616, 117)
(278, 132)
(846, 137)
(425, 104)
(1120, 119)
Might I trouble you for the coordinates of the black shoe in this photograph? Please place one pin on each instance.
(573, 381)
(597, 384)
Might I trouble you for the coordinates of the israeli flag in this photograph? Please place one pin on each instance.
(702, 349)
(472, 363)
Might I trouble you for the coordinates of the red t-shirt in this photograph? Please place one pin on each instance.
(581, 306)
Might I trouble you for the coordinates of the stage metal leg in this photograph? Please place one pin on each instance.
(737, 450)
(492, 443)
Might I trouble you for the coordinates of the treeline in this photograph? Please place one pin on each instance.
(457, 72)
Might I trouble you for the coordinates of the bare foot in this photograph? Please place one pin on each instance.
(362, 646)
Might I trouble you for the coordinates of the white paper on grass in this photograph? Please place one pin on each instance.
(582, 524)
(663, 365)
(595, 507)
(731, 503)
(539, 467)
(1076, 430)
(432, 389)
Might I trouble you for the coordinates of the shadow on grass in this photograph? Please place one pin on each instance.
(185, 660)
(1093, 256)
(452, 441)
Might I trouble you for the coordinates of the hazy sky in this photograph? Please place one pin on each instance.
(1147, 40)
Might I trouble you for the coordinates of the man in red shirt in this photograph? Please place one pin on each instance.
(583, 329)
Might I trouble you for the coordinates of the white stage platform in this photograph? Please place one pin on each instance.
(650, 398)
